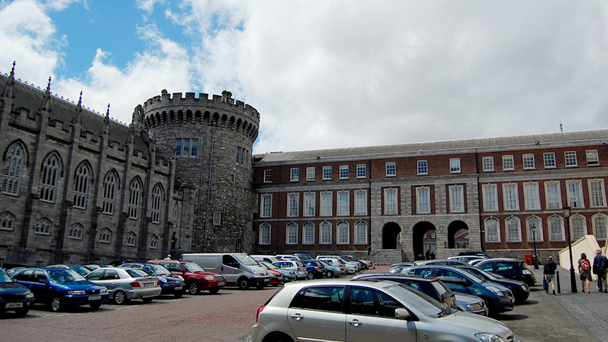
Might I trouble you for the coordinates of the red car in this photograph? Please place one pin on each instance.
(276, 277)
(196, 278)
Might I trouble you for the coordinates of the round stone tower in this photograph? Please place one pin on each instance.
(211, 140)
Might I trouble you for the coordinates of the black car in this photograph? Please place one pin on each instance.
(509, 268)
(521, 290)
(14, 297)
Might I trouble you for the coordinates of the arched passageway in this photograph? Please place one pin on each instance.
(458, 235)
(424, 240)
(390, 234)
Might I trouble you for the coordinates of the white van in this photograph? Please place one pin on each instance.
(238, 268)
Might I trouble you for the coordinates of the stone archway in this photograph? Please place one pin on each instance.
(390, 235)
(424, 238)
(458, 231)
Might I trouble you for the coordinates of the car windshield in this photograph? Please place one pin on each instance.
(192, 267)
(64, 276)
(137, 273)
(4, 278)
(246, 259)
(159, 270)
(416, 299)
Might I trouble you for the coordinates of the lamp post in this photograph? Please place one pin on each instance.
(566, 209)
(535, 257)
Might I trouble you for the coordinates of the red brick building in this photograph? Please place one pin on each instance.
(504, 194)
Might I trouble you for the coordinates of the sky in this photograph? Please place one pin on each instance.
(329, 73)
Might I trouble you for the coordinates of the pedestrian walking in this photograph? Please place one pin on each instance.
(584, 269)
(549, 273)
(600, 263)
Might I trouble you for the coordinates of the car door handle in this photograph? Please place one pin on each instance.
(355, 323)
(297, 317)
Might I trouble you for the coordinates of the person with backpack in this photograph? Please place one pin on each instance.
(584, 269)
(548, 273)
(600, 263)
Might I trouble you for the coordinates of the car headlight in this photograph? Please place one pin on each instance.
(29, 295)
(76, 292)
(496, 291)
(209, 277)
(104, 290)
(180, 278)
(487, 337)
(526, 272)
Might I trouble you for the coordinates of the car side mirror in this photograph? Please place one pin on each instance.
(401, 313)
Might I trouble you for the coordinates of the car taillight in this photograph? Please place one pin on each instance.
(318, 268)
(158, 283)
(135, 284)
(259, 311)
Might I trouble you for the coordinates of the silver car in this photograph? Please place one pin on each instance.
(127, 284)
(295, 266)
(346, 310)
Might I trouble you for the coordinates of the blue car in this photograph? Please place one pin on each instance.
(314, 269)
(59, 288)
(498, 298)
(14, 297)
(169, 282)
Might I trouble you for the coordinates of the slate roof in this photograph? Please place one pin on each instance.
(439, 147)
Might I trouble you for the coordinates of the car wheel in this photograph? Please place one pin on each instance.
(55, 304)
(22, 312)
(492, 312)
(310, 276)
(214, 290)
(95, 306)
(330, 274)
(120, 298)
(147, 300)
(243, 283)
(194, 288)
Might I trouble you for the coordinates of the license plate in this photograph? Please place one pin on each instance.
(148, 284)
(266, 280)
(13, 305)
(95, 298)
(178, 288)
(221, 283)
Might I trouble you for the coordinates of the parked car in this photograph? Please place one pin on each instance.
(295, 266)
(288, 257)
(237, 268)
(334, 262)
(498, 298)
(314, 269)
(195, 277)
(83, 271)
(12, 271)
(59, 288)
(126, 284)
(330, 270)
(520, 290)
(466, 258)
(509, 268)
(350, 266)
(346, 310)
(362, 264)
(267, 258)
(302, 256)
(400, 267)
(478, 253)
(288, 275)
(13, 296)
(435, 289)
(169, 283)
(440, 262)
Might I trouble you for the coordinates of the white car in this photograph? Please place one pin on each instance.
(347, 310)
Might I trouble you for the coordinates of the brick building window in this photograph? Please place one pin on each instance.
(556, 229)
(360, 233)
(361, 171)
(507, 163)
(457, 199)
(578, 227)
(360, 202)
(268, 176)
(266, 205)
(308, 234)
(455, 165)
(513, 230)
(291, 234)
(293, 204)
(553, 195)
(343, 171)
(487, 163)
(294, 175)
(422, 167)
(326, 204)
(592, 157)
(309, 204)
(310, 173)
(265, 234)
(325, 233)
(490, 197)
(343, 203)
(599, 225)
(570, 158)
(343, 233)
(390, 201)
(326, 172)
(528, 160)
(575, 195)
(598, 194)
(531, 196)
(423, 200)
(511, 199)
(538, 229)
(549, 159)
(492, 230)
(391, 169)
